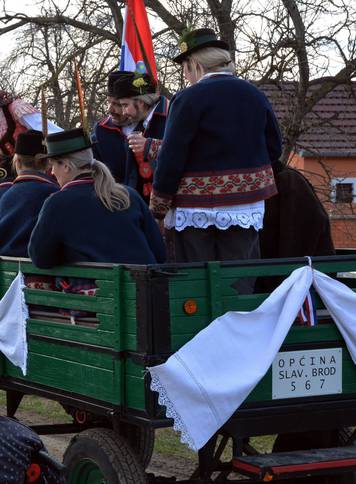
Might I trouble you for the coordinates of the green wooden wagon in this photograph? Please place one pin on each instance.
(95, 366)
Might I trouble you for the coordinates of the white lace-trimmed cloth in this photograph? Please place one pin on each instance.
(13, 319)
(245, 216)
(206, 380)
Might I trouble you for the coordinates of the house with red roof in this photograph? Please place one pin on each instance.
(326, 151)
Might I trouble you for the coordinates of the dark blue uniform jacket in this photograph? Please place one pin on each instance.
(19, 209)
(110, 147)
(74, 226)
(4, 186)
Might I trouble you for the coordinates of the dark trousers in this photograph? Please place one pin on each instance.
(200, 245)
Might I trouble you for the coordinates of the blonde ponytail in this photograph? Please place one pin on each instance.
(112, 195)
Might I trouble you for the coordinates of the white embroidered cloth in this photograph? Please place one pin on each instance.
(245, 216)
(13, 318)
(205, 381)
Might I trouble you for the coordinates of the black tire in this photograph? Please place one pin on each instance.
(141, 440)
(98, 455)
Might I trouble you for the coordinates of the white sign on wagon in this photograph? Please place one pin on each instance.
(307, 373)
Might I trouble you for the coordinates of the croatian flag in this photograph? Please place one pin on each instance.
(137, 34)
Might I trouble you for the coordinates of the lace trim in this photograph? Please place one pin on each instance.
(24, 317)
(200, 218)
(171, 412)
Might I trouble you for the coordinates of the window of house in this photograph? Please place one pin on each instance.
(344, 192)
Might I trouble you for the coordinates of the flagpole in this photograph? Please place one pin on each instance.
(145, 58)
(44, 113)
(80, 92)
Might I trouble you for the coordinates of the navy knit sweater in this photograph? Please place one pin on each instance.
(74, 226)
(220, 140)
(19, 209)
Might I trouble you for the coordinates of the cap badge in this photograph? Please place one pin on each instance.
(139, 82)
(183, 47)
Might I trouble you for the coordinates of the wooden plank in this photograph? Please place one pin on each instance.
(69, 301)
(71, 332)
(70, 376)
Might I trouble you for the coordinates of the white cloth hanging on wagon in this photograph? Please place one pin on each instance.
(206, 380)
(13, 319)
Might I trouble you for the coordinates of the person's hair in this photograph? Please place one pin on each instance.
(30, 162)
(210, 59)
(149, 99)
(113, 196)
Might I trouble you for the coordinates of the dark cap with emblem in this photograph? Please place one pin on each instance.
(113, 77)
(66, 142)
(198, 39)
(30, 143)
(134, 84)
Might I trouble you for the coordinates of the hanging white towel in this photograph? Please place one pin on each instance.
(13, 318)
(207, 379)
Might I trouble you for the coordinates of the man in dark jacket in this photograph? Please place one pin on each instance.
(109, 134)
(147, 111)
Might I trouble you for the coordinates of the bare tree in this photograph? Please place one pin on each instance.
(310, 42)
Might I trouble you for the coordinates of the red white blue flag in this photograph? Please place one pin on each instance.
(307, 313)
(137, 48)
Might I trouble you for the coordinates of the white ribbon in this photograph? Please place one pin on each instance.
(206, 380)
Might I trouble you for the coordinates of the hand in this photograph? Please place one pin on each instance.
(137, 142)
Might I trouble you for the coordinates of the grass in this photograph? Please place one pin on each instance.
(166, 442)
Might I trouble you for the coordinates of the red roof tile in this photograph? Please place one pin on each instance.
(329, 129)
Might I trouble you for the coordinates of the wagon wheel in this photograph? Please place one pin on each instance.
(100, 456)
(141, 440)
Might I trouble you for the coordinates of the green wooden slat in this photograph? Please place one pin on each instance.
(134, 394)
(70, 301)
(68, 375)
(321, 332)
(105, 289)
(75, 354)
(130, 341)
(133, 369)
(130, 307)
(67, 271)
(70, 332)
(107, 323)
(129, 289)
(188, 289)
(187, 323)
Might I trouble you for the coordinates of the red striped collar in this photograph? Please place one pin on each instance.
(79, 181)
(5, 184)
(41, 177)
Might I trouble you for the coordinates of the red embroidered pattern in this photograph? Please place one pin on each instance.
(226, 184)
(160, 204)
(153, 151)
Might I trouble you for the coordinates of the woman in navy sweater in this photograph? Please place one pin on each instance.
(23, 200)
(91, 218)
(214, 167)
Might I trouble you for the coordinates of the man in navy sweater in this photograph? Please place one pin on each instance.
(214, 167)
(147, 111)
(109, 134)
